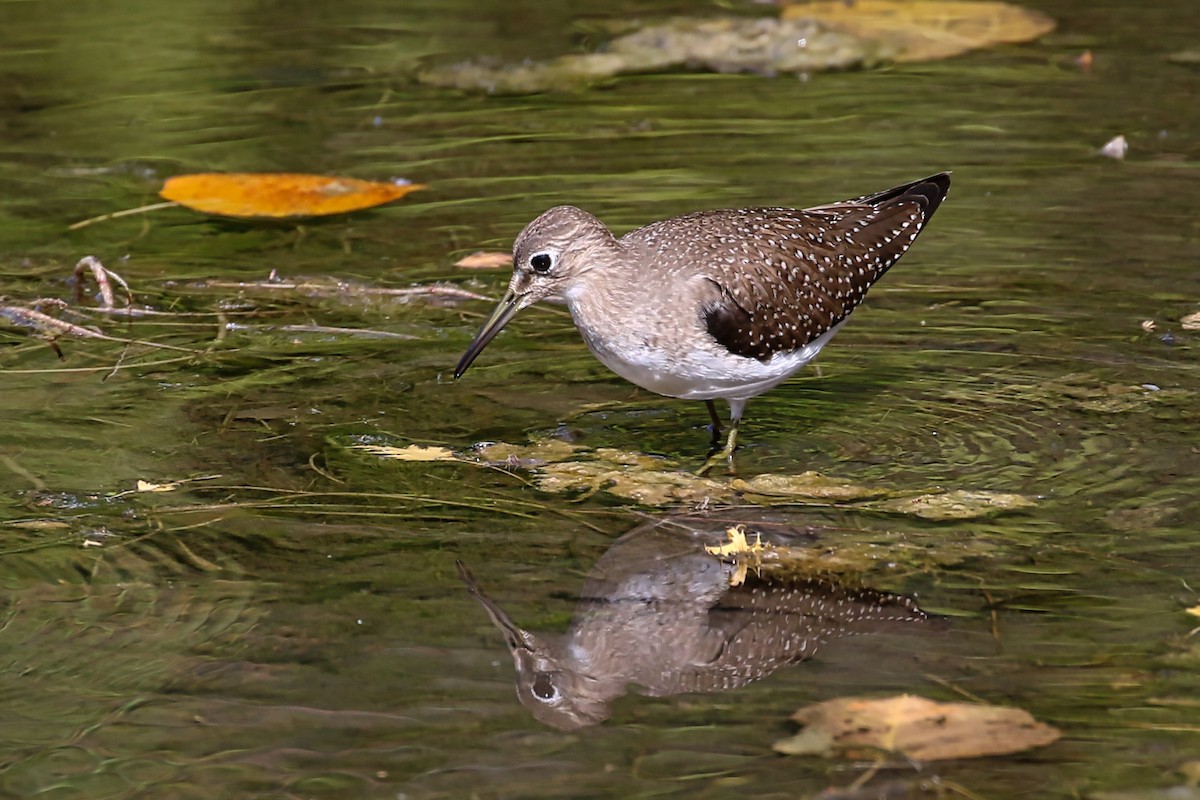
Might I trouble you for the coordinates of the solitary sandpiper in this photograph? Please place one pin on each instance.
(716, 304)
(660, 611)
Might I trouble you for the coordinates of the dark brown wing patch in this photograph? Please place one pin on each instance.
(785, 277)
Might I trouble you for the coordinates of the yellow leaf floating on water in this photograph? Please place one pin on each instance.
(147, 486)
(920, 729)
(738, 544)
(736, 549)
(485, 260)
(411, 453)
(1194, 611)
(928, 29)
(253, 194)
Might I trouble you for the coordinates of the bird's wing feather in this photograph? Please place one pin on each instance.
(758, 627)
(776, 279)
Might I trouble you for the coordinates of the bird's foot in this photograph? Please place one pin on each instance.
(715, 460)
(722, 456)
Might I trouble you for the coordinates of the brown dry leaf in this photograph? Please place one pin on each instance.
(485, 259)
(250, 194)
(929, 29)
(1191, 322)
(411, 453)
(920, 729)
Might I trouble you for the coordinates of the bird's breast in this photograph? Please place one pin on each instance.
(660, 344)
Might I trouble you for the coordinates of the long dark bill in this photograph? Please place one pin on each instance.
(517, 638)
(504, 312)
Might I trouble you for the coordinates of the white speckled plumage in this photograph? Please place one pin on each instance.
(716, 304)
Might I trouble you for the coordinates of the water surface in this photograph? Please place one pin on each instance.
(290, 623)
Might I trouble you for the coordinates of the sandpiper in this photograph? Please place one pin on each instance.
(716, 304)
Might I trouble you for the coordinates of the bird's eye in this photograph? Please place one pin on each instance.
(541, 263)
(544, 688)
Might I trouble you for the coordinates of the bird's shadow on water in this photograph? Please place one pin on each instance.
(672, 610)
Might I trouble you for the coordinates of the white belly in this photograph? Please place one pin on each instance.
(706, 372)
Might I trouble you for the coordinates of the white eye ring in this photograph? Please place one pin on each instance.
(541, 262)
(544, 689)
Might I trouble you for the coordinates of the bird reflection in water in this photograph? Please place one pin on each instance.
(659, 611)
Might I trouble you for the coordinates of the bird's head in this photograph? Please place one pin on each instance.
(549, 257)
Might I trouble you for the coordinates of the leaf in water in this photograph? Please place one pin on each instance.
(924, 30)
(920, 729)
(250, 194)
(411, 453)
(1188, 58)
(39, 525)
(737, 544)
(741, 552)
(540, 452)
(1194, 611)
(806, 485)
(1183, 792)
(147, 486)
(485, 260)
(958, 504)
(1191, 322)
(1115, 147)
(632, 476)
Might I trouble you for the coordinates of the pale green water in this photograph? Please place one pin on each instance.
(236, 638)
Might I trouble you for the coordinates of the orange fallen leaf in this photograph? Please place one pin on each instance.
(921, 729)
(928, 29)
(485, 260)
(251, 194)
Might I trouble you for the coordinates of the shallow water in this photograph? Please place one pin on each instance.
(289, 621)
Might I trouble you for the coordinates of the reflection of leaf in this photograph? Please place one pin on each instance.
(485, 260)
(249, 194)
(921, 729)
(923, 30)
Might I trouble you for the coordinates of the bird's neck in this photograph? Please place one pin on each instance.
(601, 286)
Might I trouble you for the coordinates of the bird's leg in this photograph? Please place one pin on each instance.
(725, 454)
(716, 424)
